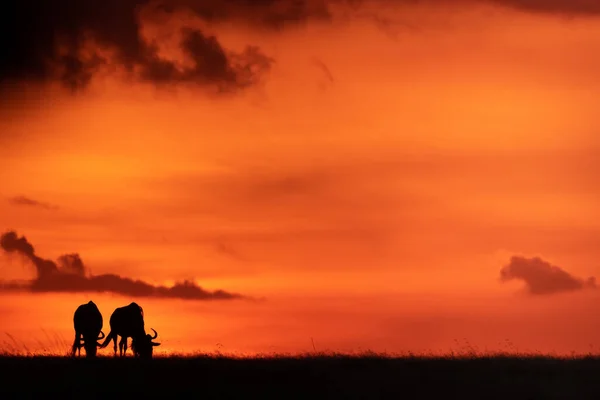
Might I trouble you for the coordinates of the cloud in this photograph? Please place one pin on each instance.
(543, 278)
(69, 274)
(567, 7)
(26, 201)
(270, 14)
(229, 251)
(326, 72)
(570, 7)
(51, 41)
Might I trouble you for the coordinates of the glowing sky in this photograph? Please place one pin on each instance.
(365, 169)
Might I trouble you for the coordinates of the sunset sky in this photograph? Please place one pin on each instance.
(390, 175)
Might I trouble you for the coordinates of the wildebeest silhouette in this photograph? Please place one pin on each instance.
(87, 322)
(128, 321)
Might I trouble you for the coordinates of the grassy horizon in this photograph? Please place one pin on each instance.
(314, 355)
(320, 375)
(464, 373)
(54, 346)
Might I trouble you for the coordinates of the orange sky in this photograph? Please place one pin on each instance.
(370, 188)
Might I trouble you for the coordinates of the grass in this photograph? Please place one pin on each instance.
(322, 375)
(467, 373)
(51, 345)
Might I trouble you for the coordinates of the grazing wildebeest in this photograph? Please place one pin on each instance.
(87, 321)
(128, 321)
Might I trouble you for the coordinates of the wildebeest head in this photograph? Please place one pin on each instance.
(143, 345)
(91, 344)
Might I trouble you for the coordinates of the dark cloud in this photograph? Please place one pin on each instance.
(229, 251)
(280, 13)
(70, 275)
(43, 41)
(270, 14)
(566, 7)
(326, 73)
(26, 201)
(541, 277)
(569, 7)
(71, 264)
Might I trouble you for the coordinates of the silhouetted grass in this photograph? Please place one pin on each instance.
(52, 344)
(330, 375)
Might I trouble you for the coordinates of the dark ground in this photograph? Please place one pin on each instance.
(302, 377)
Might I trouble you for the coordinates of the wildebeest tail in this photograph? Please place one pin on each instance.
(109, 337)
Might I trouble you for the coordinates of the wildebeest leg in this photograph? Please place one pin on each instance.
(122, 345)
(115, 344)
(76, 344)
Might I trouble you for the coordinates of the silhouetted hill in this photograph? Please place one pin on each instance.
(302, 377)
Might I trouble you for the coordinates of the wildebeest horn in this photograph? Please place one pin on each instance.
(155, 334)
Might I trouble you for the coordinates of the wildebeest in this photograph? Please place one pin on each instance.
(87, 322)
(128, 321)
